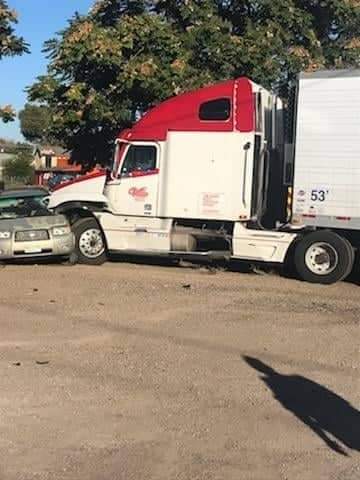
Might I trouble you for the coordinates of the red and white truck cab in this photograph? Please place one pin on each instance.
(201, 175)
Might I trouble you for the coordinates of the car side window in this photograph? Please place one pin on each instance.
(139, 159)
(7, 207)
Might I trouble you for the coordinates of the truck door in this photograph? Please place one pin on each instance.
(135, 190)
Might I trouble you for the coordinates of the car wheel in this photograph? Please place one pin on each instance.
(324, 257)
(90, 246)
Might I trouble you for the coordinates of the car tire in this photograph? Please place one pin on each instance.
(324, 257)
(90, 245)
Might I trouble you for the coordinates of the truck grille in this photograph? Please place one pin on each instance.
(31, 235)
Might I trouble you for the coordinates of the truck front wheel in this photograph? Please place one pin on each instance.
(324, 257)
(90, 246)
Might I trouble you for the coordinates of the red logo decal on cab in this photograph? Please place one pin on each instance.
(139, 193)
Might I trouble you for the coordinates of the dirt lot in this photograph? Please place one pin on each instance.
(145, 372)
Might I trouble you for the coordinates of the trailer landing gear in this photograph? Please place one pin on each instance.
(324, 257)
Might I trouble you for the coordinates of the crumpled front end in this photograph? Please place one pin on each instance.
(36, 237)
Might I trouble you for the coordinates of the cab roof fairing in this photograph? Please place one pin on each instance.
(181, 113)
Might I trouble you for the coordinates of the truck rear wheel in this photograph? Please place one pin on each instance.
(324, 257)
(90, 246)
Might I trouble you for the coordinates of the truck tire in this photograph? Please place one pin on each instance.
(324, 257)
(90, 245)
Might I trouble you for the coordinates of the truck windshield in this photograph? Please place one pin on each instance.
(119, 151)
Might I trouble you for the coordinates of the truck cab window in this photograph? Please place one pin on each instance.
(215, 110)
(259, 113)
(139, 158)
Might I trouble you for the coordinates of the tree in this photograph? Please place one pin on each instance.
(10, 45)
(127, 55)
(35, 122)
(12, 147)
(19, 168)
(278, 38)
(103, 71)
(118, 61)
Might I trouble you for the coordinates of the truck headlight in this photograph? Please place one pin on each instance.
(60, 231)
(5, 235)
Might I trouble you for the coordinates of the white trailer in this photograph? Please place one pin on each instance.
(327, 165)
(201, 176)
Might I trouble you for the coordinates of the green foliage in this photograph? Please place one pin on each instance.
(10, 146)
(35, 122)
(107, 11)
(7, 113)
(10, 45)
(19, 168)
(277, 39)
(125, 56)
(100, 76)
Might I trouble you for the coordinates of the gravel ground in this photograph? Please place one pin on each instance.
(154, 372)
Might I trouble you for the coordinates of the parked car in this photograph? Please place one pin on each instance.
(29, 229)
(60, 178)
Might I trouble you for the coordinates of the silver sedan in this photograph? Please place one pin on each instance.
(29, 229)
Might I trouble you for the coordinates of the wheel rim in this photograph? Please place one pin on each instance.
(321, 258)
(91, 243)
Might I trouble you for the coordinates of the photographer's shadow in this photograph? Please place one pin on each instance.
(328, 415)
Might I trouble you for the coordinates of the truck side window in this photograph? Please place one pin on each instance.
(259, 112)
(215, 110)
(139, 158)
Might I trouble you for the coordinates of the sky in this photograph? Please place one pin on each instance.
(39, 20)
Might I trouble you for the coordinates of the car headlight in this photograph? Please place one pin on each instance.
(5, 235)
(59, 231)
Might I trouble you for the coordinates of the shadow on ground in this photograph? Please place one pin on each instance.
(327, 414)
(210, 265)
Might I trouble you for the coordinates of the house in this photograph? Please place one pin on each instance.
(50, 161)
(5, 155)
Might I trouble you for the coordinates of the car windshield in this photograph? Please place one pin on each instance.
(58, 179)
(23, 207)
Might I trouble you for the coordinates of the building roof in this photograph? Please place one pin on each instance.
(50, 150)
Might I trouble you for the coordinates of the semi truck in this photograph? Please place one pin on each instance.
(231, 172)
